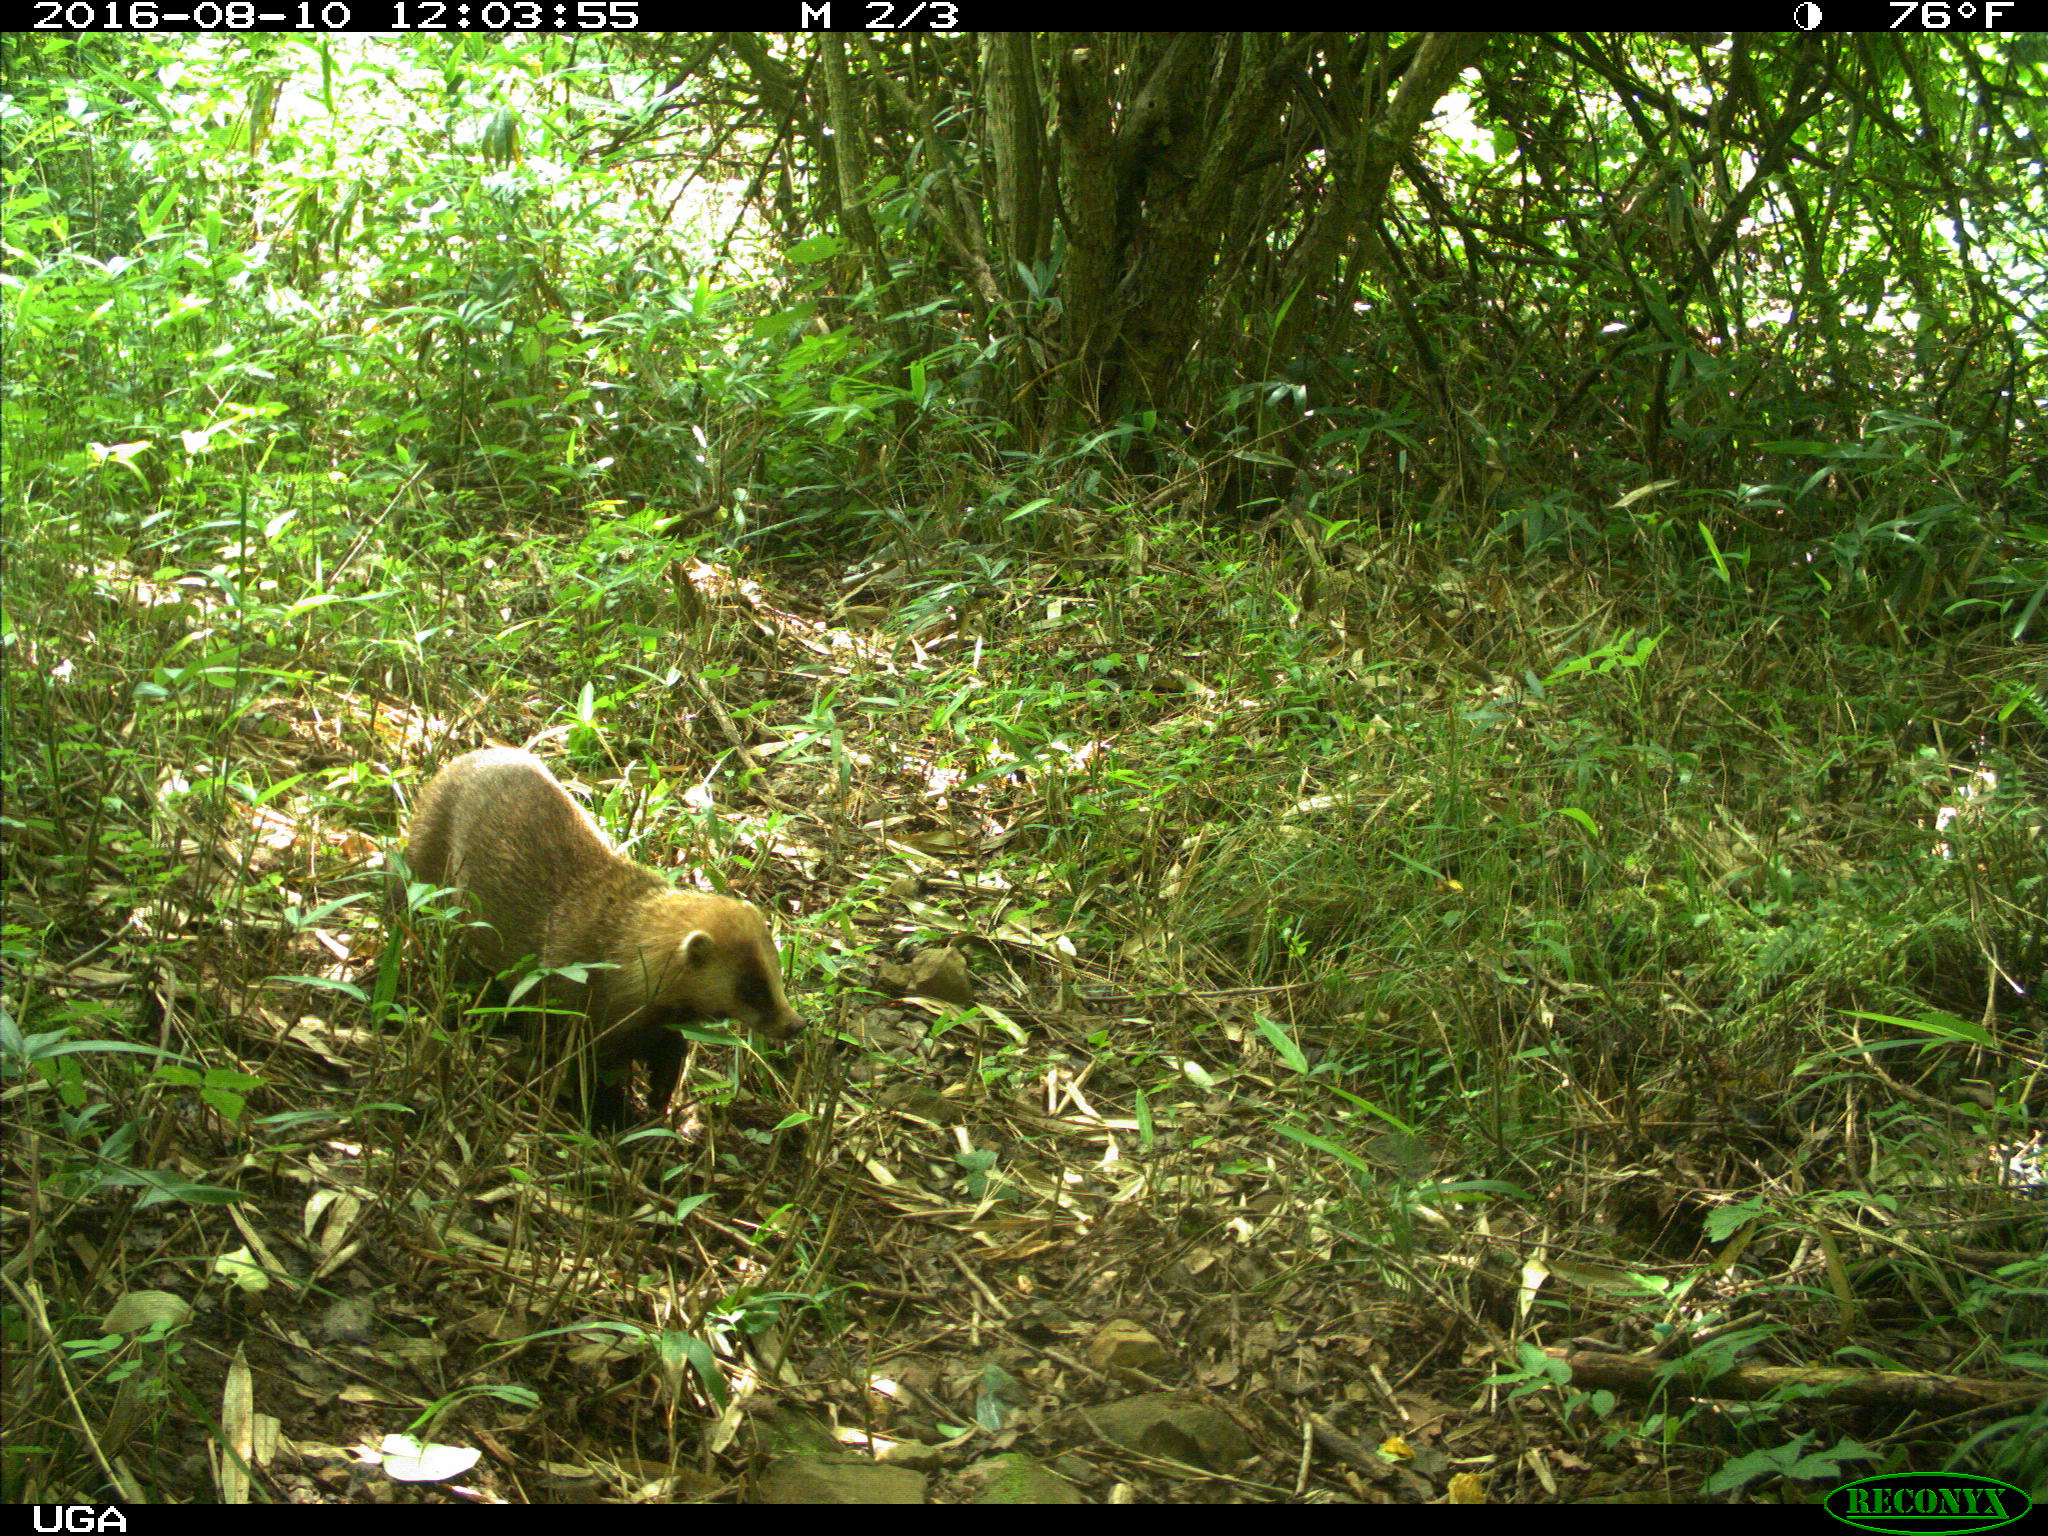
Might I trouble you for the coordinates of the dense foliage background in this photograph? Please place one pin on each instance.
(1389, 686)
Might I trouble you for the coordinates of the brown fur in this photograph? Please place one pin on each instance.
(540, 880)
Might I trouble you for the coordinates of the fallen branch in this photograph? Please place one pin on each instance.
(1640, 1376)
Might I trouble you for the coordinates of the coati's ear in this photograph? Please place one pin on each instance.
(697, 948)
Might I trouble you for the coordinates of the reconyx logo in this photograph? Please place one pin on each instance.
(1946, 1502)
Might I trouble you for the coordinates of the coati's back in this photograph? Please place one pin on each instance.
(499, 827)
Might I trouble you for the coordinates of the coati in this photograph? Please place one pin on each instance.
(539, 879)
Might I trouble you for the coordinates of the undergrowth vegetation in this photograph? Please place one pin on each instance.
(1409, 929)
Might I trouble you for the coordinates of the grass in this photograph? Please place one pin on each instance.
(1506, 952)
